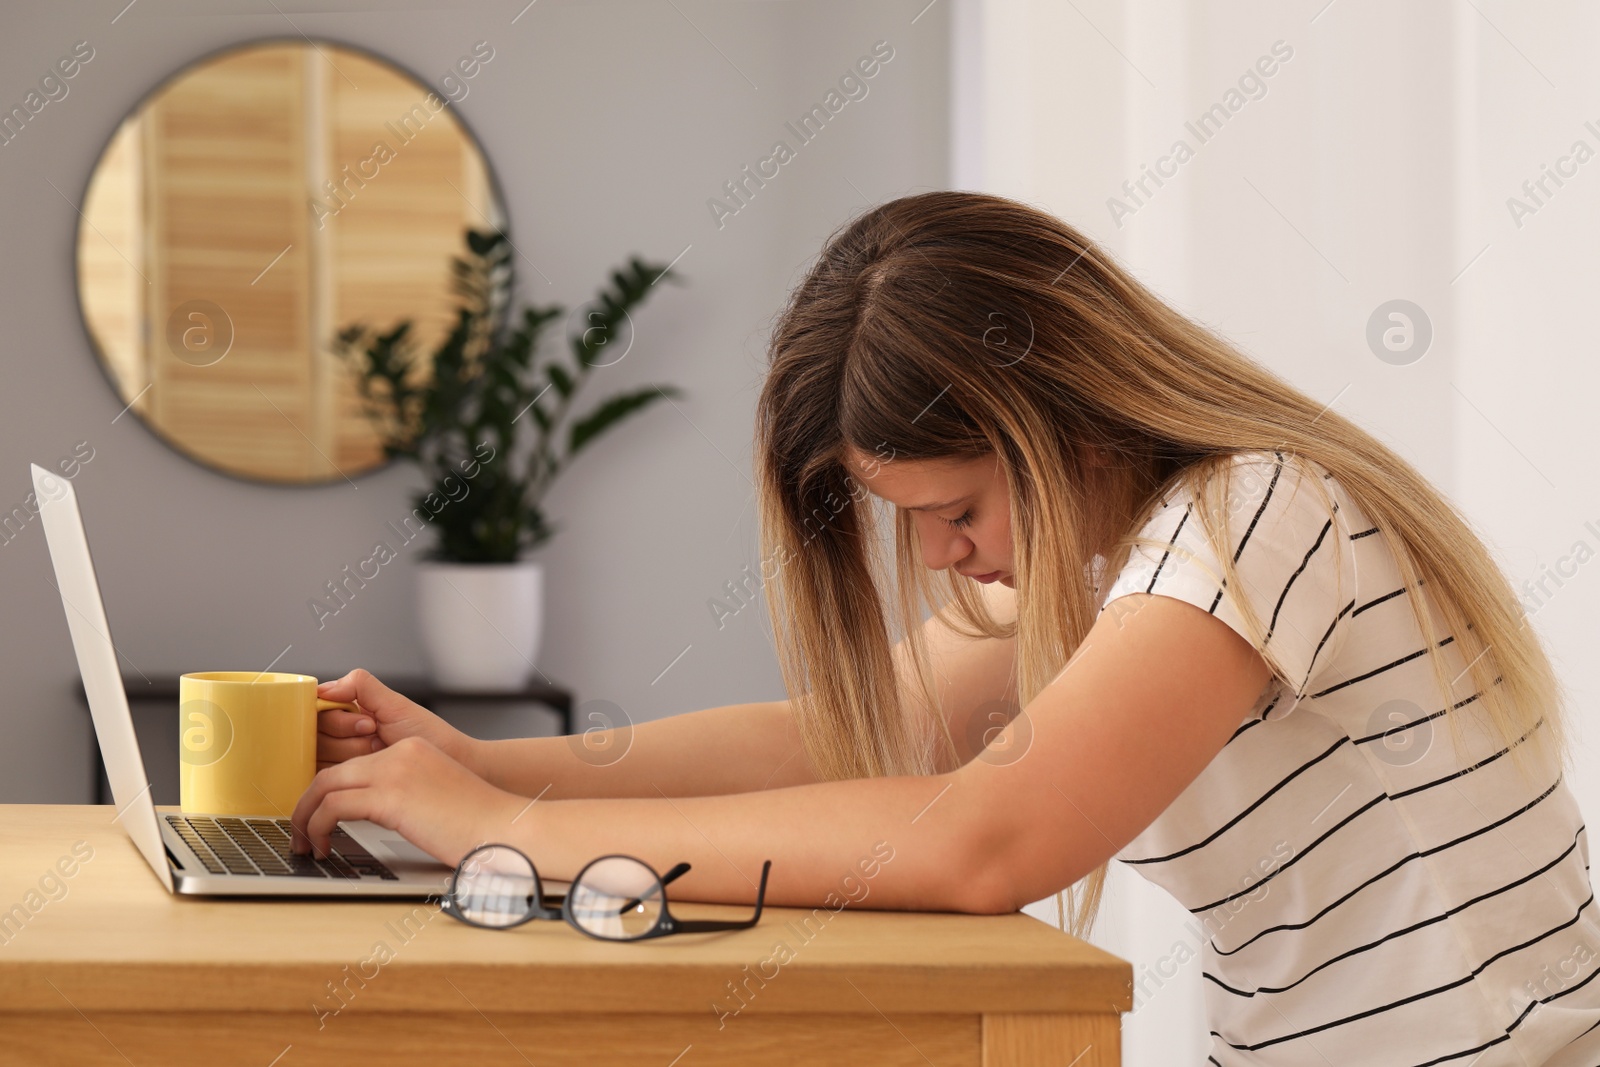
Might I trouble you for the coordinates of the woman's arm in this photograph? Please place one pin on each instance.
(1151, 696)
(745, 748)
(736, 748)
(731, 749)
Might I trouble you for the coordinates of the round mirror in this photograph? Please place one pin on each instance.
(249, 209)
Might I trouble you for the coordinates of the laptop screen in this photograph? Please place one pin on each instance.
(97, 663)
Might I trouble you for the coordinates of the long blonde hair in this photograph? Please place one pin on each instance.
(952, 324)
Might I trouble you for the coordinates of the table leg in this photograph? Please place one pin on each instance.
(1052, 1040)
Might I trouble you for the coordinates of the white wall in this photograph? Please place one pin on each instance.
(1375, 167)
(610, 124)
(1525, 329)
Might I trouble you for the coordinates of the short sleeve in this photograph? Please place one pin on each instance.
(1291, 550)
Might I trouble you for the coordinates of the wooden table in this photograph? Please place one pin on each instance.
(104, 967)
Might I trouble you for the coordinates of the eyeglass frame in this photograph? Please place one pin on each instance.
(665, 925)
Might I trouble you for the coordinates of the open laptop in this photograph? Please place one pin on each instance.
(200, 854)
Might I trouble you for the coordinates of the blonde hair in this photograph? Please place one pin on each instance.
(952, 324)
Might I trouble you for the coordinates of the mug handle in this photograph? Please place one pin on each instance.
(328, 705)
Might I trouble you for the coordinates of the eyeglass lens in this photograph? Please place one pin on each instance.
(616, 898)
(496, 887)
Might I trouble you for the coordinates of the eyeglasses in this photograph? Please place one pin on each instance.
(614, 898)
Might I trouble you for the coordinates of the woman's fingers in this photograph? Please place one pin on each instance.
(343, 735)
(361, 687)
(337, 722)
(360, 802)
(332, 750)
(338, 688)
(335, 780)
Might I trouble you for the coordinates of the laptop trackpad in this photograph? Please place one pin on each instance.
(403, 857)
(401, 849)
(395, 851)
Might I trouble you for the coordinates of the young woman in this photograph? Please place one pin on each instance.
(1182, 615)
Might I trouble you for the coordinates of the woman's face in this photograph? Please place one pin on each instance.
(961, 509)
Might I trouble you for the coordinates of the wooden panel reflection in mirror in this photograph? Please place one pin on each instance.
(248, 207)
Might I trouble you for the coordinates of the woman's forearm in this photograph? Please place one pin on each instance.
(737, 748)
(892, 843)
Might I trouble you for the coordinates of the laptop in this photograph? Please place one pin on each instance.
(205, 855)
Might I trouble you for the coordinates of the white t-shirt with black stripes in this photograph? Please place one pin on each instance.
(1361, 892)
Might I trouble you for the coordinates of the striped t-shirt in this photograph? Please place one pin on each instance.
(1362, 893)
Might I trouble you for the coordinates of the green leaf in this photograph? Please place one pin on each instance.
(482, 242)
(560, 379)
(612, 411)
(435, 407)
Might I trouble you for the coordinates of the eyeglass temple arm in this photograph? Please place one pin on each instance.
(666, 879)
(700, 926)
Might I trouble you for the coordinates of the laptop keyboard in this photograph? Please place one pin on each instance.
(262, 846)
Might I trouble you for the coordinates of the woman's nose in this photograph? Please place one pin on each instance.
(942, 550)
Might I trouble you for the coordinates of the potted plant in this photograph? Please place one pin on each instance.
(491, 425)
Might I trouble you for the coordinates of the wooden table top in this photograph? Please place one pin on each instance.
(109, 937)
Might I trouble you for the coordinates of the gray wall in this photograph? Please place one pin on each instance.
(609, 125)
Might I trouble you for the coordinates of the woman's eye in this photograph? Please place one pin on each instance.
(964, 519)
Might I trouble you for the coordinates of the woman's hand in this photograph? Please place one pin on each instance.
(410, 787)
(388, 718)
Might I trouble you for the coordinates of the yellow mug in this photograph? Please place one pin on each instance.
(247, 741)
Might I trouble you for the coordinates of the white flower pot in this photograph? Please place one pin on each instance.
(481, 623)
